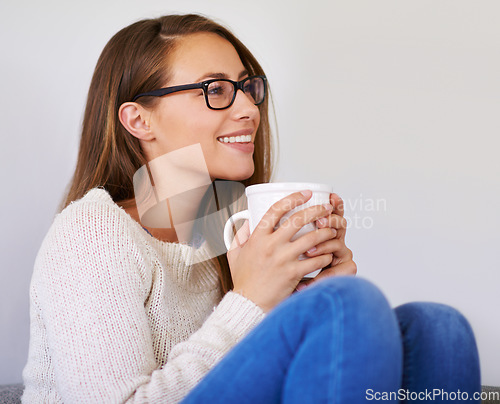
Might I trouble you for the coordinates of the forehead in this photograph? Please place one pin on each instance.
(198, 55)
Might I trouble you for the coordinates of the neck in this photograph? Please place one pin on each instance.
(163, 234)
(182, 210)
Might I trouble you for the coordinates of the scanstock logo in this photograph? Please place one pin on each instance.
(175, 191)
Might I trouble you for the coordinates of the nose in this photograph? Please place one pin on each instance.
(243, 106)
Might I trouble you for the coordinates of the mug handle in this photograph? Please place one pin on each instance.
(243, 215)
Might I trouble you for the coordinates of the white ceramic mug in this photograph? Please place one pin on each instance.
(260, 198)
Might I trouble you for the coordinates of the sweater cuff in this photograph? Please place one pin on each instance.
(239, 314)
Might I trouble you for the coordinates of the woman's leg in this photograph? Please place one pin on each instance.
(439, 353)
(330, 343)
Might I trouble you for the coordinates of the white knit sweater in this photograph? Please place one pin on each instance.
(119, 316)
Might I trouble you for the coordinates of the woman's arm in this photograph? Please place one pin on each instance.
(91, 284)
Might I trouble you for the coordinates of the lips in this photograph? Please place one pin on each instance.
(240, 140)
(240, 136)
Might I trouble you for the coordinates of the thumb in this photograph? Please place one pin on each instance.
(241, 236)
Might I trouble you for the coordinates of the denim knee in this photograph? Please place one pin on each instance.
(354, 294)
(434, 320)
(439, 347)
(356, 288)
(365, 337)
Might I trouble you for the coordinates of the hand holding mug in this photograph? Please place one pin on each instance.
(342, 263)
(265, 263)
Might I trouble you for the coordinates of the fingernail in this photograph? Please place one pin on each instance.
(300, 287)
(306, 193)
(328, 206)
(311, 250)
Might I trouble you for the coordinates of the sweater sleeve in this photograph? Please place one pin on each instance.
(189, 361)
(91, 286)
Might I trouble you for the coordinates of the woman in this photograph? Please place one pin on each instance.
(122, 311)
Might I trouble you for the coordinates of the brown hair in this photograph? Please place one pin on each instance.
(134, 61)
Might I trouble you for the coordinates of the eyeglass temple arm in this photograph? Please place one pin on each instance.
(168, 90)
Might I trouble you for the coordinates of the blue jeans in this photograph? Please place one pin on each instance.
(340, 342)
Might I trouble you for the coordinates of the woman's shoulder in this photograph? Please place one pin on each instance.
(91, 222)
(95, 208)
(93, 200)
(94, 235)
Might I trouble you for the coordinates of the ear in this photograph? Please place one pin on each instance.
(134, 118)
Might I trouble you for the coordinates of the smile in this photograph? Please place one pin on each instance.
(235, 139)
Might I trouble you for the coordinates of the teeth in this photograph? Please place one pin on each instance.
(235, 139)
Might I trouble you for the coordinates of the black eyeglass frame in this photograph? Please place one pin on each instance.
(238, 85)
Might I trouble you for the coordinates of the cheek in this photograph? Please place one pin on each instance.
(179, 131)
(197, 123)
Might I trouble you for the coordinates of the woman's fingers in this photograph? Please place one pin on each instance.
(312, 264)
(345, 268)
(310, 242)
(334, 246)
(337, 222)
(299, 219)
(272, 217)
(338, 204)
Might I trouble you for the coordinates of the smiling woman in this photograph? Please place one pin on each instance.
(122, 311)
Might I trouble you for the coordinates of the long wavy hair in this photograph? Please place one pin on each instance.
(134, 61)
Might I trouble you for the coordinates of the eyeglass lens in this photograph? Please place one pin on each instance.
(220, 93)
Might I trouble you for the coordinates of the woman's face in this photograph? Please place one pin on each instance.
(182, 119)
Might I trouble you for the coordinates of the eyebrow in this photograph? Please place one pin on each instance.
(222, 75)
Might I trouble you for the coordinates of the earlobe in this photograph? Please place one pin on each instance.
(133, 117)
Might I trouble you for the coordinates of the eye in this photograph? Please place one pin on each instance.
(216, 89)
(249, 87)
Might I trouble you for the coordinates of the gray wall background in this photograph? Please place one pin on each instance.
(394, 103)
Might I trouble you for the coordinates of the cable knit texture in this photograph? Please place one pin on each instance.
(119, 316)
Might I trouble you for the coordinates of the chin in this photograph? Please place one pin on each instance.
(239, 175)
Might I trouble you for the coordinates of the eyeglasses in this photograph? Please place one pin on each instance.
(220, 93)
